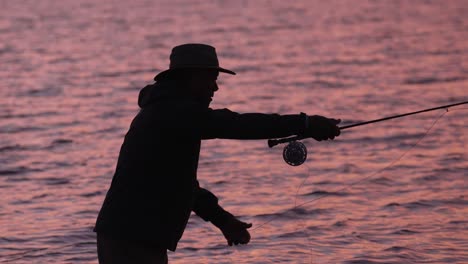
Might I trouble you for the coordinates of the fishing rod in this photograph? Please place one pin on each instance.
(295, 153)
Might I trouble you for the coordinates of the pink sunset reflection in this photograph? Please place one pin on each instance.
(390, 192)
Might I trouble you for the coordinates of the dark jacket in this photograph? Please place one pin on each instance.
(155, 187)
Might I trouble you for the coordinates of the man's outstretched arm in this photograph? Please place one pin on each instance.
(206, 206)
(223, 123)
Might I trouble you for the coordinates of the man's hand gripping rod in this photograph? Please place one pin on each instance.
(274, 142)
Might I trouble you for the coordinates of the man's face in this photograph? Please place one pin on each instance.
(203, 85)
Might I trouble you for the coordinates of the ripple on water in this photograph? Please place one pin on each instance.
(396, 249)
(428, 204)
(42, 92)
(294, 213)
(55, 181)
(384, 181)
(17, 173)
(61, 141)
(365, 261)
(92, 194)
(404, 232)
(393, 204)
(433, 80)
(323, 193)
(10, 115)
(16, 147)
(342, 223)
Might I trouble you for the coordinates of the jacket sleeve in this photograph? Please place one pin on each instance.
(206, 206)
(223, 123)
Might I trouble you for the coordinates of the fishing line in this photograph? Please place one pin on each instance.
(365, 178)
(295, 206)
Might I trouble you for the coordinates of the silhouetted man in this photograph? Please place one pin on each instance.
(155, 187)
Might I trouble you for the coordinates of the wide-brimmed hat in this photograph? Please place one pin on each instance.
(194, 56)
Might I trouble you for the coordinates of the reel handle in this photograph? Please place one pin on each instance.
(274, 142)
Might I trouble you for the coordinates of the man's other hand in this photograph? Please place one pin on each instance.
(235, 231)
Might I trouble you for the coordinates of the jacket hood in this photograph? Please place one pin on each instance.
(167, 91)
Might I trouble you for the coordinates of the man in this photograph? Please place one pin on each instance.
(155, 187)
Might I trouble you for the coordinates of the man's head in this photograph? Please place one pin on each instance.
(199, 84)
(197, 65)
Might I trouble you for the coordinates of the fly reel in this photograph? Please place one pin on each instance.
(295, 153)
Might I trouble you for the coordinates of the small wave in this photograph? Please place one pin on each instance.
(297, 211)
(434, 203)
(87, 212)
(91, 194)
(191, 249)
(382, 181)
(15, 129)
(340, 223)
(396, 249)
(12, 148)
(430, 80)
(353, 62)
(7, 49)
(325, 193)
(418, 205)
(220, 182)
(12, 239)
(115, 74)
(64, 59)
(458, 222)
(427, 178)
(46, 92)
(364, 261)
(325, 182)
(292, 234)
(404, 232)
(16, 171)
(348, 168)
(23, 115)
(40, 196)
(293, 213)
(263, 97)
(22, 202)
(61, 141)
(56, 181)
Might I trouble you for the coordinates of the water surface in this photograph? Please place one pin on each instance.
(71, 72)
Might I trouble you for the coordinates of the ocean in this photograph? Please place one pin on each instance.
(390, 192)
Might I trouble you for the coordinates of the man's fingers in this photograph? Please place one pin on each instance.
(249, 225)
(335, 130)
(336, 121)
